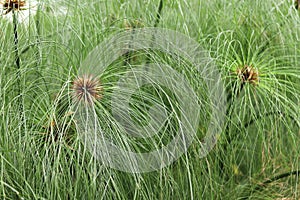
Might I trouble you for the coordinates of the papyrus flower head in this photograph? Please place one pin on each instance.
(248, 74)
(25, 9)
(86, 89)
(10, 5)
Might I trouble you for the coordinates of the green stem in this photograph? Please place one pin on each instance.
(157, 20)
(250, 122)
(297, 4)
(281, 176)
(17, 62)
(231, 99)
(38, 48)
(16, 40)
(261, 186)
(158, 14)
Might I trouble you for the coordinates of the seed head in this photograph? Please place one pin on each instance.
(248, 74)
(87, 89)
(9, 5)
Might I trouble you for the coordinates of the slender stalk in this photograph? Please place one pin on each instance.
(158, 14)
(17, 61)
(16, 40)
(38, 48)
(246, 125)
(261, 186)
(127, 55)
(281, 176)
(157, 20)
(231, 101)
(297, 4)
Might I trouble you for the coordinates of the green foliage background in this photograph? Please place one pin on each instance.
(42, 157)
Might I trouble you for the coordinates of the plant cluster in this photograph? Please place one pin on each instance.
(43, 154)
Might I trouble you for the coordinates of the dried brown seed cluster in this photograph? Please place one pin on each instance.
(9, 5)
(248, 74)
(87, 89)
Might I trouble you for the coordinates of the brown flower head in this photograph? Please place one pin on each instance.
(87, 89)
(248, 74)
(9, 5)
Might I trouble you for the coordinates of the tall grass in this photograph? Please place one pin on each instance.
(257, 154)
